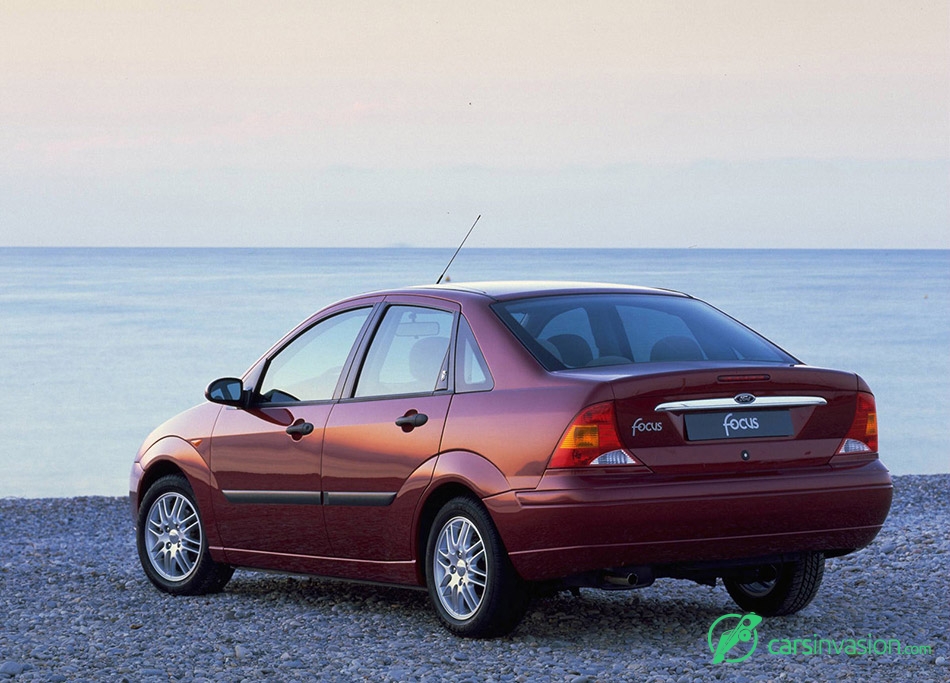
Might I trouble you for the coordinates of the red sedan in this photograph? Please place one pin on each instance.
(490, 440)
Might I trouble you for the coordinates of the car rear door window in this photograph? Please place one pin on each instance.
(408, 354)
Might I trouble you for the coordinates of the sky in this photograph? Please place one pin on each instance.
(718, 124)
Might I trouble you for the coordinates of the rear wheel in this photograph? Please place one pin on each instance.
(172, 545)
(782, 589)
(474, 588)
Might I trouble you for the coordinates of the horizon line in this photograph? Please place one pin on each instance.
(449, 247)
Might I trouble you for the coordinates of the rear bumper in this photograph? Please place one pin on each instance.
(577, 522)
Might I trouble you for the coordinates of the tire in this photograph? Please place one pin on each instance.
(792, 587)
(472, 584)
(172, 544)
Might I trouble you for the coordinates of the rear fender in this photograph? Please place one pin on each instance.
(456, 473)
(472, 471)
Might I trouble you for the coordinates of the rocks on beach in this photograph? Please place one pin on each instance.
(75, 606)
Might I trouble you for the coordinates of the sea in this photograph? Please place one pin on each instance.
(98, 346)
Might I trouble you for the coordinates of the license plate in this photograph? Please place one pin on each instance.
(738, 424)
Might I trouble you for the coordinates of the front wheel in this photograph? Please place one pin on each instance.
(782, 589)
(474, 588)
(171, 541)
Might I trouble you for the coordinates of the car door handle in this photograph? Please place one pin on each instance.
(299, 429)
(411, 420)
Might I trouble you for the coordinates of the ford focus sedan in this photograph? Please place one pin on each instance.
(489, 441)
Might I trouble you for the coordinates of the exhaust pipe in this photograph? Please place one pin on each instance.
(627, 579)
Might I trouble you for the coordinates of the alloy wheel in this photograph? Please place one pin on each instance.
(460, 568)
(173, 537)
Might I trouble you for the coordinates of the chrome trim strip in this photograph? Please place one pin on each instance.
(359, 498)
(729, 403)
(274, 497)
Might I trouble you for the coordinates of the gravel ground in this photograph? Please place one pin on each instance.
(75, 605)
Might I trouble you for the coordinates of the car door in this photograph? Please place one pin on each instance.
(381, 440)
(266, 458)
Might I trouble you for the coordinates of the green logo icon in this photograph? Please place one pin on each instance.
(733, 631)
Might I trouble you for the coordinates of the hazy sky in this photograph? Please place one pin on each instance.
(663, 124)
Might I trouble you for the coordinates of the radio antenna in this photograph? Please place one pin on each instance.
(439, 281)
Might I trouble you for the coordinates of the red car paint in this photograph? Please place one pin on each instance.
(355, 498)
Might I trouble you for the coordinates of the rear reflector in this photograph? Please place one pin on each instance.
(614, 458)
(862, 437)
(592, 439)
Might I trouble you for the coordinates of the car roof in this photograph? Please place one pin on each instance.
(511, 289)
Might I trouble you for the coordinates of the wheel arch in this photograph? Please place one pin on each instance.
(174, 455)
(158, 469)
(457, 473)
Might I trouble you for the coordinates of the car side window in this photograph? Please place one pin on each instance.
(309, 367)
(471, 370)
(408, 353)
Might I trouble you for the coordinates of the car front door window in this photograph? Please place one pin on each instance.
(308, 368)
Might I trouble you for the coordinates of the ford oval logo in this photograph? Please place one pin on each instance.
(744, 399)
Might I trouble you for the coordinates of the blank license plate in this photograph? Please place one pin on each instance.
(738, 424)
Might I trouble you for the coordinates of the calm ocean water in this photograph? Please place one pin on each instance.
(98, 346)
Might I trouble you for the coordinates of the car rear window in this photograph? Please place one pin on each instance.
(589, 330)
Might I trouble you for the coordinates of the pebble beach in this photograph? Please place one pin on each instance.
(75, 606)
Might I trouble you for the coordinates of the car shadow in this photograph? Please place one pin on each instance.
(564, 615)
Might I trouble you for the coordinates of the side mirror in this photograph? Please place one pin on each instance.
(228, 391)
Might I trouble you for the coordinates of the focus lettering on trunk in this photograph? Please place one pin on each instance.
(642, 426)
(739, 424)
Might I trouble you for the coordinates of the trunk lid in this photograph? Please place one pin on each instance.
(728, 418)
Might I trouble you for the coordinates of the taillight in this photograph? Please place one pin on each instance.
(862, 437)
(592, 439)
